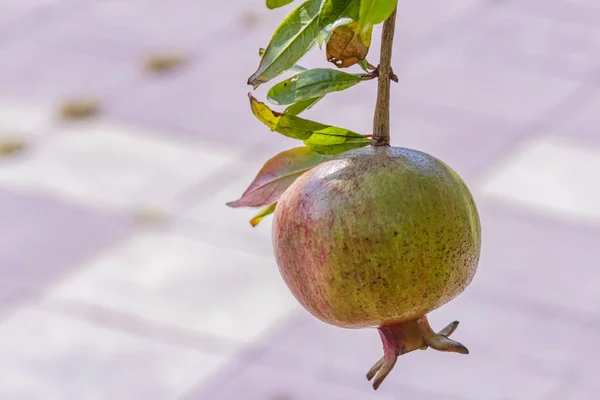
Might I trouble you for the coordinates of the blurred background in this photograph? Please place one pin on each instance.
(125, 276)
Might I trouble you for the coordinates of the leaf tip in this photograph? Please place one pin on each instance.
(252, 99)
(255, 80)
(255, 221)
(233, 204)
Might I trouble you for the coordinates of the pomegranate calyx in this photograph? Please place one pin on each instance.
(402, 338)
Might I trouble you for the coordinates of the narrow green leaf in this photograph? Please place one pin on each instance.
(310, 84)
(272, 4)
(318, 136)
(296, 35)
(327, 141)
(301, 106)
(333, 149)
(263, 213)
(277, 175)
(291, 40)
(295, 67)
(366, 66)
(373, 12)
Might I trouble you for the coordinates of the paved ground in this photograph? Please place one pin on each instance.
(100, 303)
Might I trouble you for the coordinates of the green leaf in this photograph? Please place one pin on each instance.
(310, 84)
(271, 4)
(333, 149)
(295, 67)
(334, 10)
(277, 175)
(291, 40)
(366, 66)
(263, 213)
(331, 141)
(323, 139)
(373, 12)
(299, 107)
(297, 34)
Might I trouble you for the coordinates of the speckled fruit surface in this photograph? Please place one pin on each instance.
(377, 237)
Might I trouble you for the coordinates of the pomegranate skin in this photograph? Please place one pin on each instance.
(377, 237)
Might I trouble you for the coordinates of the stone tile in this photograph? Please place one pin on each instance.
(264, 382)
(115, 29)
(53, 357)
(584, 124)
(414, 127)
(535, 259)
(580, 11)
(444, 79)
(535, 364)
(62, 75)
(417, 19)
(41, 239)
(25, 20)
(448, 134)
(583, 376)
(538, 45)
(24, 120)
(584, 383)
(19, 7)
(241, 237)
(211, 209)
(308, 342)
(113, 165)
(11, 10)
(535, 177)
(175, 280)
(215, 103)
(177, 23)
(76, 34)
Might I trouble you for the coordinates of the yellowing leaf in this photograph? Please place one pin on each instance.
(263, 213)
(324, 139)
(264, 114)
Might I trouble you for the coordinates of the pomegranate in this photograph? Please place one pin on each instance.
(379, 237)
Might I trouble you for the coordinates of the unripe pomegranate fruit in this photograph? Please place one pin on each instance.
(379, 237)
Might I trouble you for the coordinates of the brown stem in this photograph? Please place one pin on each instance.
(381, 121)
(409, 336)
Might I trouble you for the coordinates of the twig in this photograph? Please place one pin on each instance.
(381, 120)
